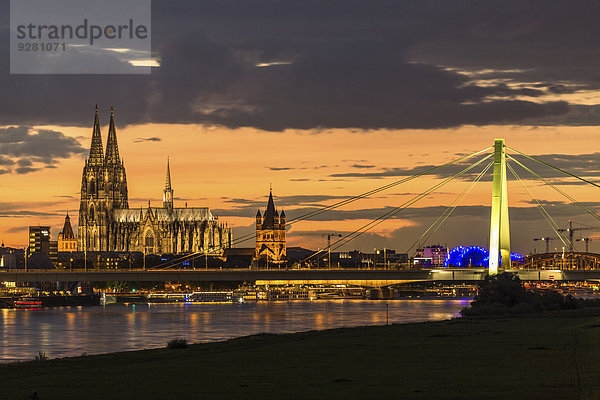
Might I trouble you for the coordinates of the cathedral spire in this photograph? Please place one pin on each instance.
(96, 152)
(168, 192)
(168, 179)
(112, 148)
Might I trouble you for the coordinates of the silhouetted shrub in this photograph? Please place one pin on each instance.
(552, 300)
(570, 303)
(177, 343)
(504, 294)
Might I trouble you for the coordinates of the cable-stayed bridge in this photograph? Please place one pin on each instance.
(495, 158)
(365, 277)
(499, 239)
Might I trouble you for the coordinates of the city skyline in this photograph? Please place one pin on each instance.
(239, 211)
(326, 111)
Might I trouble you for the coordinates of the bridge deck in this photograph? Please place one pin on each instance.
(367, 277)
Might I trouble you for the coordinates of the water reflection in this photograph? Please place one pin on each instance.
(70, 331)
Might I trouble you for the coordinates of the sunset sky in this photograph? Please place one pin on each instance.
(323, 100)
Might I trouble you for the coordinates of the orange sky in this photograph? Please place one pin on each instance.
(209, 163)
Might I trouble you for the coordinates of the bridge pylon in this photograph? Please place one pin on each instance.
(499, 226)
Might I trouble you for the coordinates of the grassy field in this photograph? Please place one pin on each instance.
(550, 357)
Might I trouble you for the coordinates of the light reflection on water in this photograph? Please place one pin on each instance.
(70, 331)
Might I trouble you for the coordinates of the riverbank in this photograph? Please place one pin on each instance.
(534, 357)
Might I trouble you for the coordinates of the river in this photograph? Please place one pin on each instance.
(71, 331)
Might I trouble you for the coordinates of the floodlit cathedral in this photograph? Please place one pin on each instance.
(106, 223)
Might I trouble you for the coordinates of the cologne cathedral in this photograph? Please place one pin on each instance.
(106, 223)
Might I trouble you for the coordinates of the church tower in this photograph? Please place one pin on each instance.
(106, 223)
(115, 180)
(92, 207)
(168, 192)
(270, 234)
(66, 238)
(103, 189)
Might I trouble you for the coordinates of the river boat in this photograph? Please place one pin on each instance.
(28, 302)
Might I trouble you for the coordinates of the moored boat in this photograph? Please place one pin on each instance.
(28, 302)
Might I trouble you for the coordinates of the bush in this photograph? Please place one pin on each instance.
(570, 303)
(503, 294)
(495, 309)
(177, 343)
(497, 294)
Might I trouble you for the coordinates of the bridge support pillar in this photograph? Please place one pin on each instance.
(499, 227)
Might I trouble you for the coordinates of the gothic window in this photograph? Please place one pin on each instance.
(92, 186)
(149, 242)
(92, 213)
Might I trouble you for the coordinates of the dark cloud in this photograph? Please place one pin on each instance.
(300, 205)
(586, 166)
(281, 168)
(27, 213)
(361, 166)
(5, 160)
(335, 63)
(28, 209)
(468, 225)
(16, 229)
(280, 201)
(31, 150)
(150, 139)
(26, 170)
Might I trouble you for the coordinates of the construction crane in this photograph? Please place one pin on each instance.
(329, 236)
(547, 240)
(571, 230)
(587, 243)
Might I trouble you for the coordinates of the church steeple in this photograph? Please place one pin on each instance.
(67, 231)
(270, 234)
(168, 192)
(115, 179)
(168, 178)
(112, 147)
(96, 153)
(271, 217)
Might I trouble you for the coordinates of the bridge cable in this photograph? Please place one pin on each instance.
(365, 194)
(414, 200)
(557, 189)
(553, 167)
(310, 214)
(358, 232)
(449, 210)
(539, 206)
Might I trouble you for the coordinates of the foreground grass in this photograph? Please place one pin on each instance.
(528, 357)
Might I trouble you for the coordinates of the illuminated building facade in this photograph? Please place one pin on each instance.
(106, 223)
(270, 234)
(40, 243)
(436, 253)
(67, 241)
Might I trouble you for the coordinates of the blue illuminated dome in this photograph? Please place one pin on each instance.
(472, 256)
(461, 256)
